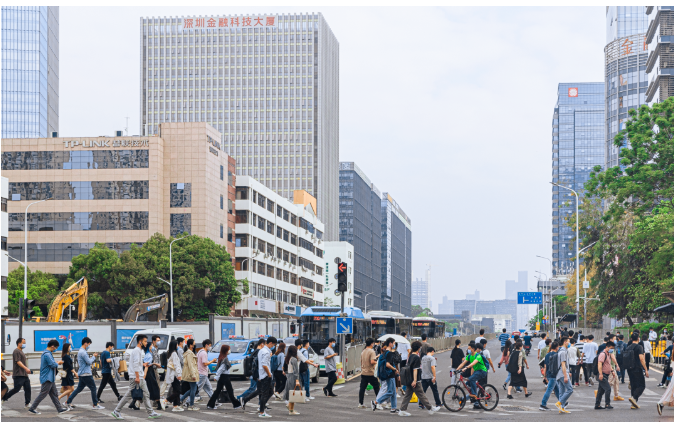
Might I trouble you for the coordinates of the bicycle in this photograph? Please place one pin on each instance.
(454, 397)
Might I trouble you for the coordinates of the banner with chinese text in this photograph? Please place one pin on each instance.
(214, 22)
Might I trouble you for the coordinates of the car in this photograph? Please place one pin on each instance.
(239, 349)
(166, 335)
(314, 373)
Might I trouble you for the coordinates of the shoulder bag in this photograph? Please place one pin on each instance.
(297, 396)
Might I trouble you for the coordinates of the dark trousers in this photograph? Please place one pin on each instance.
(587, 372)
(87, 381)
(332, 379)
(364, 381)
(647, 358)
(175, 392)
(48, 389)
(604, 389)
(108, 378)
(667, 372)
(637, 382)
(434, 388)
(19, 383)
(575, 373)
(224, 382)
(264, 387)
(280, 381)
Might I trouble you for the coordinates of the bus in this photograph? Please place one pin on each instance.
(386, 322)
(319, 324)
(432, 327)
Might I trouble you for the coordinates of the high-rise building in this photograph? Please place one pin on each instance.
(396, 257)
(4, 222)
(577, 146)
(30, 71)
(268, 83)
(512, 286)
(625, 78)
(660, 66)
(446, 307)
(420, 293)
(360, 225)
(473, 296)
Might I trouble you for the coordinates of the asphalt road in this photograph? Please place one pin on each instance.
(327, 409)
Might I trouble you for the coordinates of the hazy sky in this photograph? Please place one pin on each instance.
(447, 109)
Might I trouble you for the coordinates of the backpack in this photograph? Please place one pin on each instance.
(406, 376)
(383, 373)
(397, 359)
(595, 366)
(255, 365)
(629, 358)
(485, 361)
(273, 364)
(512, 366)
(553, 365)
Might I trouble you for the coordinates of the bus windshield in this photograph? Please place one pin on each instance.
(317, 330)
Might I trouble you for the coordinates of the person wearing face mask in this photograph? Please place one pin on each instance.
(106, 371)
(20, 373)
(85, 376)
(329, 355)
(202, 367)
(605, 369)
(563, 376)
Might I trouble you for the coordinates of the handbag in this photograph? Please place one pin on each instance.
(62, 373)
(137, 393)
(296, 396)
(122, 366)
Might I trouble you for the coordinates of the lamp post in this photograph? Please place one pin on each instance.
(171, 269)
(366, 300)
(546, 286)
(25, 269)
(577, 251)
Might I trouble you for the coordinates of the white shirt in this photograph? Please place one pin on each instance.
(264, 359)
(590, 351)
(477, 340)
(404, 350)
(647, 347)
(541, 344)
(136, 363)
(652, 335)
(573, 355)
(486, 354)
(303, 355)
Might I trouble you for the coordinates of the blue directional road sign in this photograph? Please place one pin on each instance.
(529, 298)
(344, 325)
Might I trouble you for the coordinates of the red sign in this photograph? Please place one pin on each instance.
(573, 92)
(259, 21)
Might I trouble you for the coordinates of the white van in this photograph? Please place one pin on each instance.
(166, 336)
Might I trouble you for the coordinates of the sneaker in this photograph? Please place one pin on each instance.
(100, 401)
(543, 408)
(373, 405)
(558, 405)
(238, 407)
(264, 415)
(509, 396)
(325, 391)
(618, 398)
(210, 408)
(27, 405)
(381, 408)
(294, 413)
(362, 406)
(403, 413)
(34, 412)
(435, 409)
(63, 410)
(311, 398)
(153, 415)
(98, 407)
(660, 406)
(634, 403)
(197, 398)
(115, 414)
(661, 385)
(598, 408)
(608, 407)
(387, 405)
(178, 409)
(332, 395)
(243, 405)
(192, 408)
(394, 411)
(528, 394)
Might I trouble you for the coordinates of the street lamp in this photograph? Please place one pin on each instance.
(171, 270)
(366, 300)
(577, 251)
(21, 301)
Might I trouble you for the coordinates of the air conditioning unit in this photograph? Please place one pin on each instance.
(313, 273)
(304, 269)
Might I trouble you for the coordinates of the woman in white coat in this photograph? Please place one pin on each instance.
(174, 372)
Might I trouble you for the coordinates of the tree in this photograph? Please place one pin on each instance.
(416, 310)
(42, 287)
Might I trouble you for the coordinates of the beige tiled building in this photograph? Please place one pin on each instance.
(116, 190)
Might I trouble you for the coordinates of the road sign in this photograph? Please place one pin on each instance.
(344, 325)
(529, 298)
(538, 326)
(586, 284)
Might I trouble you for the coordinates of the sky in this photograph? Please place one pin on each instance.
(447, 109)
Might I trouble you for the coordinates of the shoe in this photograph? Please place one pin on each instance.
(34, 412)
(395, 411)
(373, 405)
(134, 407)
(325, 391)
(153, 415)
(243, 405)
(598, 408)
(178, 409)
(608, 407)
(435, 409)
(543, 408)
(264, 415)
(293, 413)
(634, 403)
(98, 407)
(510, 397)
(362, 406)
(558, 405)
(505, 386)
(618, 398)
(332, 395)
(237, 407)
(100, 401)
(386, 406)
(192, 408)
(311, 397)
(210, 408)
(660, 409)
(197, 398)
(403, 413)
(528, 394)
(63, 410)
(26, 406)
(115, 414)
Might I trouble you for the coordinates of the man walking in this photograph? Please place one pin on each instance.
(106, 371)
(303, 355)
(264, 385)
(329, 357)
(86, 379)
(137, 380)
(202, 366)
(563, 376)
(48, 367)
(429, 375)
(368, 360)
(20, 373)
(414, 364)
(550, 369)
(387, 374)
(503, 337)
(424, 345)
(636, 369)
(252, 389)
(605, 369)
(590, 349)
(479, 339)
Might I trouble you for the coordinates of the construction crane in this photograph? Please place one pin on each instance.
(143, 307)
(77, 292)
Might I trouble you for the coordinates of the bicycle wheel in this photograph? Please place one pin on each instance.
(488, 397)
(454, 398)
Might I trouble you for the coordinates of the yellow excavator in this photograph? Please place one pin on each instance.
(142, 307)
(77, 292)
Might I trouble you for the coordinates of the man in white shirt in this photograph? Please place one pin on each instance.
(303, 356)
(136, 379)
(652, 335)
(479, 339)
(541, 345)
(589, 353)
(264, 375)
(404, 350)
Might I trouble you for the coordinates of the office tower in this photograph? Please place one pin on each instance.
(474, 296)
(360, 225)
(4, 222)
(446, 307)
(420, 293)
(659, 69)
(30, 71)
(512, 286)
(269, 84)
(396, 256)
(577, 146)
(625, 77)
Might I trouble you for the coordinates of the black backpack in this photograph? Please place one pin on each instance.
(250, 366)
(512, 362)
(553, 365)
(629, 357)
(406, 376)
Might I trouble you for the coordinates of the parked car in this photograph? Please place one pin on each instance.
(240, 348)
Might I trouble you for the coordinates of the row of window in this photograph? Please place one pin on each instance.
(84, 190)
(59, 252)
(271, 293)
(76, 160)
(73, 221)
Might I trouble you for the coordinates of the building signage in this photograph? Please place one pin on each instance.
(42, 338)
(257, 304)
(108, 143)
(573, 92)
(219, 22)
(291, 309)
(307, 292)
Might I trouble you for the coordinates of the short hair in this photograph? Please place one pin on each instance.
(610, 344)
(504, 330)
(457, 341)
(481, 331)
(140, 338)
(108, 344)
(155, 337)
(517, 337)
(518, 344)
(606, 339)
(571, 333)
(189, 342)
(563, 340)
(305, 342)
(621, 336)
(298, 342)
(416, 345)
(478, 346)
(424, 336)
(548, 341)
(403, 334)
(581, 337)
(483, 341)
(272, 340)
(644, 337)
(19, 340)
(204, 343)
(590, 337)
(573, 340)
(542, 335)
(635, 337)
(554, 345)
(180, 340)
(261, 341)
(369, 341)
(430, 349)
(330, 340)
(86, 340)
(53, 343)
(389, 341)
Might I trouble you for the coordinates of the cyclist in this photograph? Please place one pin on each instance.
(475, 361)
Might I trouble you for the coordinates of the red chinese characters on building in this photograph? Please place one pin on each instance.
(233, 22)
(223, 22)
(246, 21)
(188, 23)
(271, 20)
(627, 46)
(211, 23)
(258, 21)
(199, 22)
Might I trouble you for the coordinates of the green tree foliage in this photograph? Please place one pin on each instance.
(42, 287)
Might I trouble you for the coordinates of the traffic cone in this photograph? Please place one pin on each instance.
(340, 374)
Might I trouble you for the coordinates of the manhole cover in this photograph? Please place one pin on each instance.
(515, 408)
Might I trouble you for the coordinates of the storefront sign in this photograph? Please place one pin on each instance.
(218, 22)
(108, 143)
(307, 292)
(257, 304)
(291, 309)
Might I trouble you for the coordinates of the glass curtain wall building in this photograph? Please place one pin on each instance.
(577, 146)
(625, 57)
(360, 225)
(660, 64)
(268, 83)
(396, 257)
(30, 71)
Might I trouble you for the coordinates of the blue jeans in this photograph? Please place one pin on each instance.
(473, 379)
(191, 393)
(552, 386)
(565, 390)
(86, 381)
(306, 381)
(251, 389)
(388, 392)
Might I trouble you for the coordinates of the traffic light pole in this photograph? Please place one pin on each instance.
(342, 343)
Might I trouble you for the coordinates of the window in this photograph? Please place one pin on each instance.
(260, 268)
(181, 195)
(286, 235)
(3, 243)
(222, 202)
(261, 245)
(286, 214)
(261, 201)
(4, 205)
(306, 225)
(306, 245)
(222, 231)
(279, 253)
(305, 282)
(76, 221)
(319, 253)
(270, 249)
(319, 288)
(242, 240)
(261, 223)
(349, 254)
(76, 160)
(80, 190)
(279, 274)
(242, 193)
(230, 206)
(279, 232)
(241, 264)
(286, 276)
(270, 206)
(230, 234)
(181, 223)
(279, 211)
(293, 259)
(222, 172)
(293, 219)
(319, 270)
(241, 217)
(293, 239)
(293, 279)
(270, 271)
(270, 228)
(306, 264)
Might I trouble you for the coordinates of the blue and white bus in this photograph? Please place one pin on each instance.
(319, 325)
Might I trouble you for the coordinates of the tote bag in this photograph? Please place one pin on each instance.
(297, 396)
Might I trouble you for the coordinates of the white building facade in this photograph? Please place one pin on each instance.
(279, 250)
(4, 222)
(343, 251)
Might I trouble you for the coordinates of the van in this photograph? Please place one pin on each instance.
(166, 336)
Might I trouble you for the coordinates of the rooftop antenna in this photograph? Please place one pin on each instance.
(126, 129)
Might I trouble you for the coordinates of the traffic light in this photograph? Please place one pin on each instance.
(28, 308)
(342, 277)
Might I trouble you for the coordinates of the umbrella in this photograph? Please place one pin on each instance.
(396, 337)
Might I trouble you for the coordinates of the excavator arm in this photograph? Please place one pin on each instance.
(77, 292)
(142, 307)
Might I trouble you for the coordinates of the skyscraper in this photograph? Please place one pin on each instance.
(420, 293)
(659, 38)
(625, 57)
(360, 225)
(577, 146)
(396, 257)
(30, 71)
(269, 84)
(512, 286)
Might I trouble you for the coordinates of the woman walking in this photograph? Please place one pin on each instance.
(151, 376)
(68, 382)
(457, 357)
(190, 374)
(293, 378)
(279, 373)
(222, 375)
(174, 373)
(505, 358)
(516, 365)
